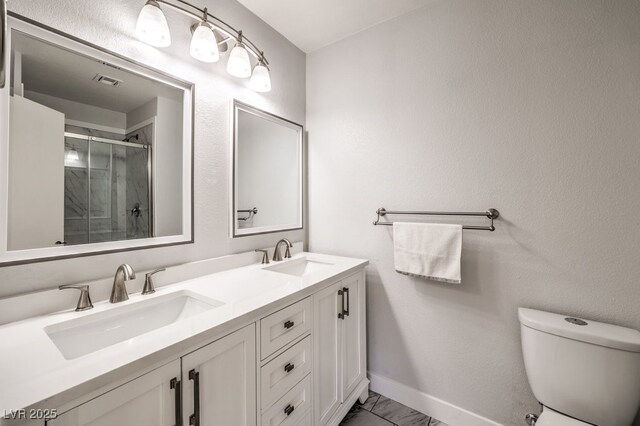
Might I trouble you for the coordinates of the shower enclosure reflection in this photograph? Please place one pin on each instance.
(107, 184)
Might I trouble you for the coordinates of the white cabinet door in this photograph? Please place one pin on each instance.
(220, 381)
(327, 352)
(353, 334)
(149, 400)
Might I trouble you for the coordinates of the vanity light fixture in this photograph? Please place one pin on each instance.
(152, 27)
(204, 46)
(209, 40)
(260, 81)
(239, 64)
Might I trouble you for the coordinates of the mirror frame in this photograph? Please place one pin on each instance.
(236, 232)
(79, 46)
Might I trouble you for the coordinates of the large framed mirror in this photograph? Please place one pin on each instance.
(97, 150)
(267, 172)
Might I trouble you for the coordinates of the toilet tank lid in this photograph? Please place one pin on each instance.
(598, 333)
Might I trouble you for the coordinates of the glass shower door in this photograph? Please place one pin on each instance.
(107, 190)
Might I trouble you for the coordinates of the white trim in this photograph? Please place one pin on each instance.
(425, 403)
(93, 126)
(140, 125)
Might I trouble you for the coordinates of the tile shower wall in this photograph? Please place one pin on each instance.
(111, 25)
(530, 107)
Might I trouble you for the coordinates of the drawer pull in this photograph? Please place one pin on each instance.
(289, 409)
(289, 367)
(289, 324)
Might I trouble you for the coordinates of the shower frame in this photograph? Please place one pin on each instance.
(149, 148)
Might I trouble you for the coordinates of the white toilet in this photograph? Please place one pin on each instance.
(582, 372)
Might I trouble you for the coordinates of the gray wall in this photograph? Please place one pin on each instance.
(111, 25)
(531, 107)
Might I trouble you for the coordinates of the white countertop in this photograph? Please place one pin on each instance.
(34, 372)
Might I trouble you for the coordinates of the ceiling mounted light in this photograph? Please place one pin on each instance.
(260, 80)
(239, 64)
(152, 27)
(204, 45)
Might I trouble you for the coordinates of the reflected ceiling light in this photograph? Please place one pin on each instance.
(152, 27)
(239, 64)
(204, 46)
(208, 42)
(72, 155)
(260, 80)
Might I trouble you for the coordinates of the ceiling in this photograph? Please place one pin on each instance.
(55, 71)
(312, 24)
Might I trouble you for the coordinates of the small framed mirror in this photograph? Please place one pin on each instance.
(98, 150)
(267, 172)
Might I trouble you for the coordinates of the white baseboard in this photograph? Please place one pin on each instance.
(430, 405)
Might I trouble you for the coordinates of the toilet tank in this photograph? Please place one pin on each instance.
(584, 369)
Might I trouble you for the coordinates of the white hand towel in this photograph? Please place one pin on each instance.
(428, 250)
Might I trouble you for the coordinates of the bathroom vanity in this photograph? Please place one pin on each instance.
(282, 343)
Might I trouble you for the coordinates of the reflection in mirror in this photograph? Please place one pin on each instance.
(96, 151)
(267, 172)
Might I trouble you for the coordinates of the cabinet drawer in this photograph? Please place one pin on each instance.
(284, 371)
(292, 408)
(284, 326)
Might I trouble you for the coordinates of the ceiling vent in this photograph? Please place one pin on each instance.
(105, 79)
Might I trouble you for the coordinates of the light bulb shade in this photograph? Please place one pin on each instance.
(260, 80)
(152, 27)
(72, 155)
(239, 64)
(204, 46)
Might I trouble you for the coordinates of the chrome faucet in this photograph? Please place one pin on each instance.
(84, 302)
(149, 288)
(119, 289)
(265, 256)
(277, 254)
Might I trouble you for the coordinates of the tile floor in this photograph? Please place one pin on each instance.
(379, 410)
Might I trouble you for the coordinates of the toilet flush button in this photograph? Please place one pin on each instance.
(576, 321)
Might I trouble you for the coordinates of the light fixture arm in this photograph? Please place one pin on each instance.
(221, 26)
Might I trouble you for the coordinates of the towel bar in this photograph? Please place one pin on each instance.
(490, 213)
(251, 212)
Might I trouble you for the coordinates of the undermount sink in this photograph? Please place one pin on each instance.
(81, 336)
(299, 267)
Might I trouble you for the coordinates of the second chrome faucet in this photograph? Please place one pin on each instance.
(277, 254)
(119, 289)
